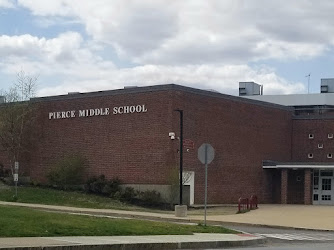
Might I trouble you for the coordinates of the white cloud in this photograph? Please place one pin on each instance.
(204, 44)
(215, 77)
(6, 4)
(197, 32)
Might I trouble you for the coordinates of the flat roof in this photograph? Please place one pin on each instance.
(156, 88)
(296, 99)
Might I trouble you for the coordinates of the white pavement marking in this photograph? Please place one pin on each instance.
(301, 236)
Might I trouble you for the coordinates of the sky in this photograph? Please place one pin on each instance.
(94, 45)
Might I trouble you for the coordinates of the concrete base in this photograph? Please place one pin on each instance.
(181, 210)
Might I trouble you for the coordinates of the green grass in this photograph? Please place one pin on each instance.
(26, 222)
(63, 198)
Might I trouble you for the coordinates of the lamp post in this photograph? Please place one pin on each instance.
(181, 151)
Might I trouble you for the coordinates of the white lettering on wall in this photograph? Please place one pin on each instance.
(129, 109)
(97, 112)
(62, 114)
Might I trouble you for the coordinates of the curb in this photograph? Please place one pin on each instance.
(157, 245)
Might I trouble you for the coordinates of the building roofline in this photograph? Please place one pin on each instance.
(156, 88)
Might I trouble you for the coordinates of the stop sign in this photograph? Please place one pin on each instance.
(206, 153)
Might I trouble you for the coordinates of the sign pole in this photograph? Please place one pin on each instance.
(206, 154)
(206, 192)
(206, 182)
(16, 176)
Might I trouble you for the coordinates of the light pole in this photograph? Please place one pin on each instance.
(181, 151)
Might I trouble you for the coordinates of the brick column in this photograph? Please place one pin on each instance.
(307, 187)
(284, 186)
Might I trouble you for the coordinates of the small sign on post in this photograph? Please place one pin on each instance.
(16, 175)
(206, 154)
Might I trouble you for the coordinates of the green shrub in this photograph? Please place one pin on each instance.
(67, 172)
(3, 172)
(128, 194)
(100, 185)
(150, 197)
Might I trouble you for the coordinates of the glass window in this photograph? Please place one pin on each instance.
(316, 173)
(316, 182)
(326, 184)
(326, 173)
(326, 197)
(315, 197)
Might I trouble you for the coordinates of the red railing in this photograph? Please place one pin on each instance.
(245, 204)
(253, 202)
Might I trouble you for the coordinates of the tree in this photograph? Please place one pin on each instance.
(16, 117)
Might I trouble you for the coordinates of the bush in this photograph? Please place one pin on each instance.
(128, 194)
(100, 185)
(3, 172)
(150, 197)
(68, 172)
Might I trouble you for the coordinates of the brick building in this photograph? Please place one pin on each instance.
(260, 147)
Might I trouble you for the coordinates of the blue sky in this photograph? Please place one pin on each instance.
(75, 45)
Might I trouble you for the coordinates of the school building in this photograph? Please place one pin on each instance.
(278, 149)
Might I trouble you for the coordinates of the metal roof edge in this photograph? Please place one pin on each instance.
(154, 88)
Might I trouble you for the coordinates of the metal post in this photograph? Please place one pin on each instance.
(206, 184)
(181, 152)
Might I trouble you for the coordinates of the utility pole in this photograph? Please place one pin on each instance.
(181, 152)
(308, 83)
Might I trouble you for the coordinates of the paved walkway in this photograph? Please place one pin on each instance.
(290, 216)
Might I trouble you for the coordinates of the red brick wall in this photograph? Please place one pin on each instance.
(302, 145)
(243, 135)
(136, 147)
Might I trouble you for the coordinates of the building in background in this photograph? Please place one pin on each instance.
(311, 167)
(272, 150)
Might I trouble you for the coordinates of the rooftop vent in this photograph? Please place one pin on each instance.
(327, 85)
(250, 88)
(130, 87)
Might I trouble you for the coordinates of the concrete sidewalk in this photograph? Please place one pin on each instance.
(311, 217)
(289, 216)
(132, 242)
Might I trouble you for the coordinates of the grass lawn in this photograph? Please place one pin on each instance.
(63, 198)
(26, 222)
(77, 199)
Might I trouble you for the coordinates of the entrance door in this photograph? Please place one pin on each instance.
(323, 190)
(326, 196)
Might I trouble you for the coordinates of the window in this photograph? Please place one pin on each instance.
(316, 179)
(320, 145)
(315, 197)
(330, 136)
(311, 136)
(326, 197)
(326, 184)
(310, 155)
(329, 156)
(326, 173)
